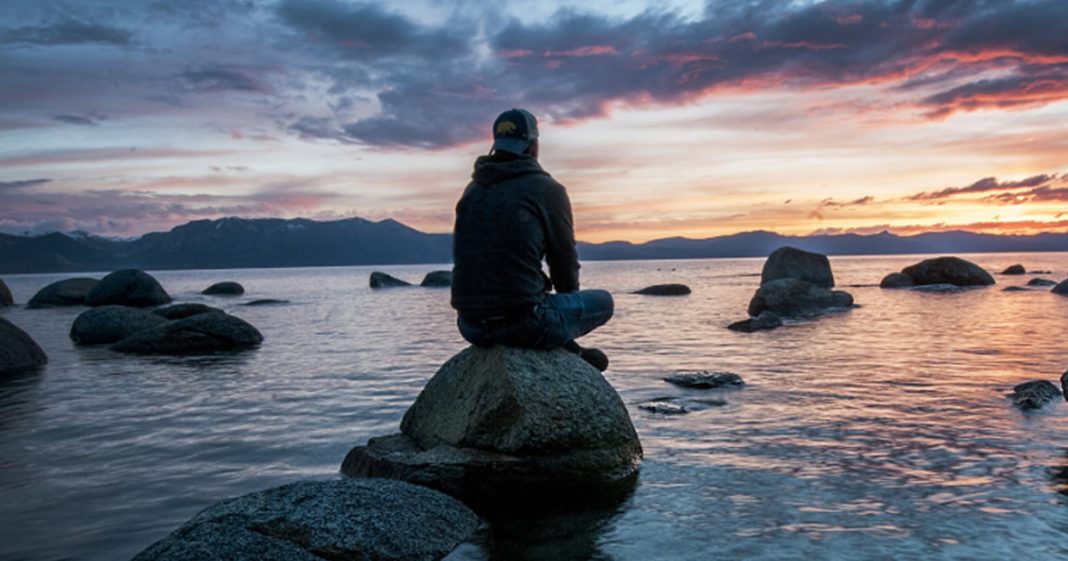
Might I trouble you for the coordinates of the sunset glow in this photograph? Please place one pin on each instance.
(691, 120)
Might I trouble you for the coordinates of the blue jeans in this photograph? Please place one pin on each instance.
(559, 319)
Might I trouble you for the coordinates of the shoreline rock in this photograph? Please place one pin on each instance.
(795, 298)
(1061, 288)
(793, 263)
(128, 287)
(5, 295)
(18, 351)
(767, 320)
(110, 324)
(66, 292)
(1014, 270)
(664, 290)
(705, 380)
(1034, 394)
(198, 334)
(225, 288)
(437, 279)
(182, 311)
(382, 280)
(940, 270)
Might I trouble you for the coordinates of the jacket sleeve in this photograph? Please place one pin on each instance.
(560, 251)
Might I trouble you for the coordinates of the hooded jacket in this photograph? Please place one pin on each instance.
(512, 215)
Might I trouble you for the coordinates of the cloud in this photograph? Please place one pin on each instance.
(23, 184)
(69, 32)
(215, 78)
(985, 185)
(74, 120)
(1021, 227)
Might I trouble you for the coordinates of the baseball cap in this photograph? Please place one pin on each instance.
(514, 130)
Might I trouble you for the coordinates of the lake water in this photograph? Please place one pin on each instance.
(879, 433)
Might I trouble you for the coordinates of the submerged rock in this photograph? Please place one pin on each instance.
(706, 380)
(664, 290)
(108, 324)
(226, 288)
(382, 280)
(793, 263)
(1014, 270)
(265, 302)
(67, 292)
(663, 406)
(202, 333)
(763, 322)
(1041, 282)
(182, 311)
(1061, 288)
(18, 351)
(948, 270)
(936, 288)
(790, 297)
(896, 280)
(314, 520)
(1014, 289)
(5, 295)
(437, 279)
(502, 427)
(128, 287)
(1034, 394)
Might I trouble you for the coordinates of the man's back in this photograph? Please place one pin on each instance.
(511, 215)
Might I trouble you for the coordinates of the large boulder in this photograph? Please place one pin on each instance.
(314, 520)
(202, 333)
(5, 295)
(437, 279)
(67, 292)
(382, 280)
(182, 311)
(504, 426)
(791, 297)
(1061, 288)
(128, 287)
(18, 351)
(108, 324)
(226, 288)
(948, 270)
(792, 263)
(664, 290)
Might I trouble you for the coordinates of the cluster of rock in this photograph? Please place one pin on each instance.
(433, 279)
(500, 428)
(793, 284)
(174, 330)
(704, 380)
(940, 273)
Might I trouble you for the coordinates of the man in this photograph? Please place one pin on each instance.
(511, 216)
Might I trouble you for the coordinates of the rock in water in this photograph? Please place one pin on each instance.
(663, 406)
(314, 520)
(948, 270)
(266, 302)
(382, 280)
(108, 324)
(202, 333)
(1014, 270)
(227, 288)
(128, 287)
(1064, 385)
(1034, 394)
(896, 280)
(18, 351)
(503, 426)
(665, 290)
(1061, 288)
(765, 321)
(1041, 282)
(792, 263)
(68, 292)
(437, 279)
(5, 295)
(706, 380)
(791, 297)
(182, 311)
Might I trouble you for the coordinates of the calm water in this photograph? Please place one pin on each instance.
(880, 433)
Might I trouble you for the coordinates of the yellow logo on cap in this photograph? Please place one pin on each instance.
(505, 127)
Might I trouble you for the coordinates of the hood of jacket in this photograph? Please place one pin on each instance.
(495, 169)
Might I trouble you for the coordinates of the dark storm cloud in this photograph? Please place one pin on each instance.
(74, 120)
(221, 79)
(18, 185)
(70, 32)
(985, 185)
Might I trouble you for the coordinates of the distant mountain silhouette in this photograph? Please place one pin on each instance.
(271, 242)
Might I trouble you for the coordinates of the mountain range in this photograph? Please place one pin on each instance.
(273, 242)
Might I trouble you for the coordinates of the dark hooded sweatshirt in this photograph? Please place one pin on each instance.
(511, 216)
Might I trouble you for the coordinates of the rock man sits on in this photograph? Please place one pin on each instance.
(511, 216)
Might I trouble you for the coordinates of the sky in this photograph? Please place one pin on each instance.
(662, 119)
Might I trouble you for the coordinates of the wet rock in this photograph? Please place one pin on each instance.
(67, 292)
(1061, 288)
(5, 295)
(182, 311)
(436, 279)
(665, 290)
(382, 280)
(128, 287)
(108, 324)
(790, 297)
(265, 302)
(792, 263)
(763, 322)
(1014, 270)
(1064, 385)
(1014, 289)
(501, 427)
(936, 288)
(896, 280)
(1041, 282)
(663, 406)
(202, 333)
(706, 380)
(18, 351)
(226, 288)
(314, 520)
(948, 270)
(1034, 394)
